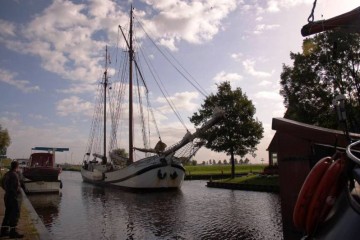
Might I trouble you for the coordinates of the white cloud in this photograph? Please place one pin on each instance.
(194, 22)
(74, 105)
(182, 101)
(279, 112)
(236, 56)
(263, 27)
(79, 88)
(37, 116)
(7, 28)
(270, 95)
(70, 37)
(250, 69)
(10, 114)
(277, 5)
(169, 43)
(271, 6)
(265, 83)
(230, 77)
(10, 78)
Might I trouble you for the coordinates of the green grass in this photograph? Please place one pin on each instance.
(253, 179)
(222, 169)
(68, 167)
(5, 162)
(26, 225)
(2, 173)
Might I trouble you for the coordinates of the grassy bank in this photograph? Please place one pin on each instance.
(68, 167)
(26, 225)
(250, 182)
(253, 179)
(222, 169)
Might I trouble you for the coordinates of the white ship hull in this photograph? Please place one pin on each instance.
(42, 186)
(149, 173)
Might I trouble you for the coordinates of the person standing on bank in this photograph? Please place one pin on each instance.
(11, 185)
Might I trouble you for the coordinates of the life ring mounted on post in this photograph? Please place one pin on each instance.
(329, 188)
(318, 194)
(308, 190)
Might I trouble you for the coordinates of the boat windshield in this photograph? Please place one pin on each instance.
(41, 159)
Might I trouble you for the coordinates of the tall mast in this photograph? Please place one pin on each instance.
(131, 56)
(104, 160)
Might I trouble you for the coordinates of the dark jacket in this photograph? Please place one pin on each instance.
(12, 183)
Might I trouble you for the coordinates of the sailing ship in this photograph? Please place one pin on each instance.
(42, 175)
(161, 167)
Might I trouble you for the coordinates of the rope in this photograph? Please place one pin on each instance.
(141, 109)
(162, 89)
(311, 16)
(119, 90)
(172, 64)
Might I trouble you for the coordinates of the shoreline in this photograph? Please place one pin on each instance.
(245, 187)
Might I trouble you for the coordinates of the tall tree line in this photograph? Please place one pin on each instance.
(327, 67)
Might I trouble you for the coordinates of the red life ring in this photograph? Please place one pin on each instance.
(323, 199)
(307, 191)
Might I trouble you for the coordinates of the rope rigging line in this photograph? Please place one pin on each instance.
(94, 129)
(149, 107)
(100, 121)
(141, 110)
(148, 120)
(124, 77)
(204, 92)
(152, 116)
(171, 63)
(162, 89)
(311, 16)
(119, 90)
(146, 136)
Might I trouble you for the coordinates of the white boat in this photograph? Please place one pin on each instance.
(41, 175)
(161, 168)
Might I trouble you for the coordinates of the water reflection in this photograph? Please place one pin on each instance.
(46, 205)
(154, 214)
(195, 212)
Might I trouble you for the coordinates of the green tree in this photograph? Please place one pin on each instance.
(5, 140)
(121, 152)
(239, 132)
(328, 66)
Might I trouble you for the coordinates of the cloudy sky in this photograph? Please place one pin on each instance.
(52, 59)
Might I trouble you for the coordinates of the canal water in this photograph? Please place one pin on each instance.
(84, 211)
